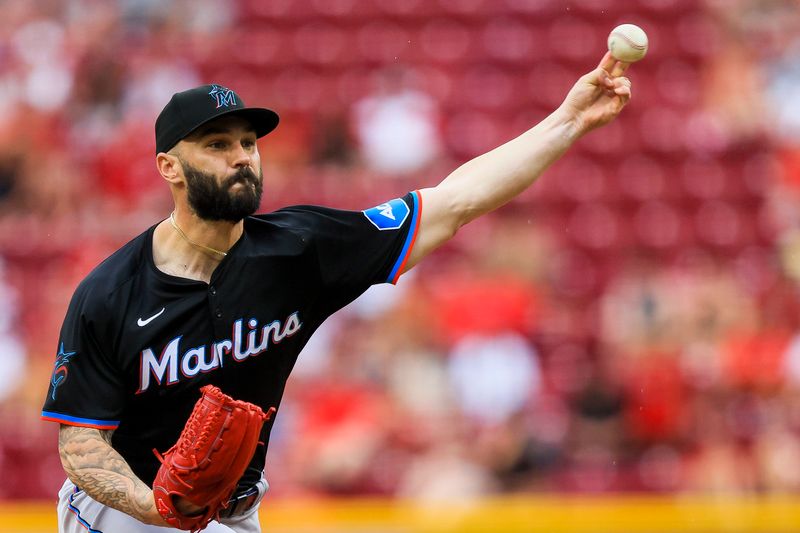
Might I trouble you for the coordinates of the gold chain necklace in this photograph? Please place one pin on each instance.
(190, 241)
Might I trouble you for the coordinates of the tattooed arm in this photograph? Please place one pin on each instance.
(100, 471)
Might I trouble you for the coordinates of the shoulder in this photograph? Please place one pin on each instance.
(312, 219)
(96, 291)
(296, 216)
(298, 222)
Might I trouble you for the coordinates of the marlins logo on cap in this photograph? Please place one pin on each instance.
(223, 96)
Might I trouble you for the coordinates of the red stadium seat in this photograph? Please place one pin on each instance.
(757, 268)
(697, 36)
(321, 43)
(548, 189)
(703, 178)
(353, 84)
(573, 39)
(678, 83)
(720, 224)
(645, 93)
(343, 10)
(575, 274)
(760, 171)
(280, 9)
(437, 82)
(768, 225)
(595, 7)
(509, 41)
(469, 133)
(595, 226)
(582, 180)
(383, 42)
(611, 141)
(416, 9)
(536, 8)
(465, 8)
(548, 82)
(266, 46)
(525, 114)
(300, 89)
(703, 133)
(486, 88)
(659, 225)
(568, 367)
(665, 7)
(642, 178)
(446, 41)
(661, 130)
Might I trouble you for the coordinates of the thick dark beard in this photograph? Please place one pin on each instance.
(212, 201)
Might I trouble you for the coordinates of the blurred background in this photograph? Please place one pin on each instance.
(630, 325)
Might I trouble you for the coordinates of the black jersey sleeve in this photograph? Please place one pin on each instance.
(356, 249)
(85, 388)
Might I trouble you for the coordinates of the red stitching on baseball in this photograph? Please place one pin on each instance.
(630, 42)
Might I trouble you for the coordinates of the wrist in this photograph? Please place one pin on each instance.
(152, 517)
(568, 122)
(149, 510)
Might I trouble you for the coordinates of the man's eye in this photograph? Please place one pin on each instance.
(217, 145)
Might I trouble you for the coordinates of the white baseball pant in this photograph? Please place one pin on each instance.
(79, 513)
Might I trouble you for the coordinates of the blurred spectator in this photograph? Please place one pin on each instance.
(47, 75)
(777, 454)
(493, 377)
(445, 471)
(330, 141)
(14, 361)
(771, 31)
(397, 126)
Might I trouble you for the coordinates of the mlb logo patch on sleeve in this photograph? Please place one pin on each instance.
(389, 215)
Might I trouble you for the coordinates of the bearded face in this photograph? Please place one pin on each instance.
(226, 201)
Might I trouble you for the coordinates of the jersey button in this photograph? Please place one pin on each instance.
(212, 290)
(218, 313)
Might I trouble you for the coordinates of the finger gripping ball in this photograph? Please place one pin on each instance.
(627, 42)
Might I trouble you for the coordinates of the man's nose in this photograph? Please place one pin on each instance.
(241, 156)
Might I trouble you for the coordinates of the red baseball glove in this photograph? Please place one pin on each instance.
(210, 457)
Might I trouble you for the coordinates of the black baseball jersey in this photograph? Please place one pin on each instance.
(137, 344)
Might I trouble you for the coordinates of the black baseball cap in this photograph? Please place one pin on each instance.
(188, 110)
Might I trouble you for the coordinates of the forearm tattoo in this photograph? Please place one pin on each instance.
(95, 467)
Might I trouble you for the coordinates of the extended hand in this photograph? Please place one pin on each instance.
(599, 96)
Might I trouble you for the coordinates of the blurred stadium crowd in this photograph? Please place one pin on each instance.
(631, 323)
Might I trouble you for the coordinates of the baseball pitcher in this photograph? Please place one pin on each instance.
(175, 350)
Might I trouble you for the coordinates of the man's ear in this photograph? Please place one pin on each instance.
(169, 166)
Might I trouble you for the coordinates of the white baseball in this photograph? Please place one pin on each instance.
(627, 42)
